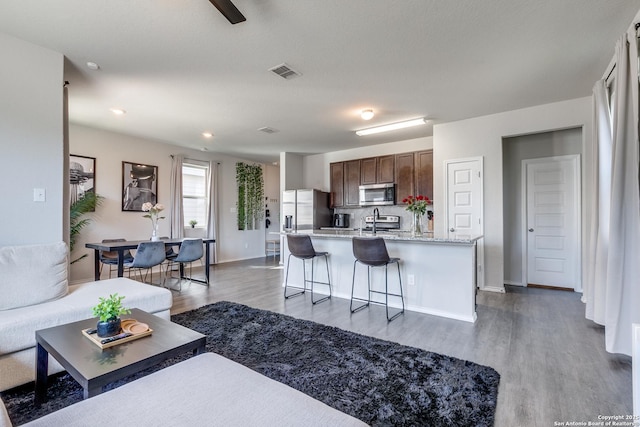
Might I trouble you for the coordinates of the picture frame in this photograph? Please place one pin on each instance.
(82, 177)
(139, 185)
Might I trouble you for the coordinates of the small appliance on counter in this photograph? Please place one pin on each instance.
(341, 220)
(383, 223)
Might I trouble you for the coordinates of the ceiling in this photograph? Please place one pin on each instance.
(179, 68)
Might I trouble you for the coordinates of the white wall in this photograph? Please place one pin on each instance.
(32, 144)
(515, 150)
(110, 149)
(482, 136)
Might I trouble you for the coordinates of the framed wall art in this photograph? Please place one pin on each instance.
(139, 185)
(82, 176)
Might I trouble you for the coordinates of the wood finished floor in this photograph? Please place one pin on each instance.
(552, 361)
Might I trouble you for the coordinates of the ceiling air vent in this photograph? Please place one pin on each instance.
(284, 71)
(268, 130)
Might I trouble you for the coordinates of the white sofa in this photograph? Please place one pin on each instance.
(34, 294)
(205, 390)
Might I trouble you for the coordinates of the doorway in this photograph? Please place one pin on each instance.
(551, 188)
(515, 149)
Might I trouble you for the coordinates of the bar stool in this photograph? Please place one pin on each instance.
(373, 253)
(300, 247)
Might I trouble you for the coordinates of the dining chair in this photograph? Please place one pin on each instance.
(148, 255)
(110, 258)
(190, 250)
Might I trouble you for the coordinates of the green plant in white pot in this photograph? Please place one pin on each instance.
(109, 310)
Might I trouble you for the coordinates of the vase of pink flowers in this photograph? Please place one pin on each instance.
(154, 215)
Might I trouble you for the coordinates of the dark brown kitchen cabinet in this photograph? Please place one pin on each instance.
(386, 169)
(405, 176)
(352, 183)
(424, 173)
(336, 171)
(369, 171)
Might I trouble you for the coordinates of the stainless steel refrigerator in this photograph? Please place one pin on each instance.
(305, 210)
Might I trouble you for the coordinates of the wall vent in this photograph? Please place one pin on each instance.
(284, 71)
(267, 129)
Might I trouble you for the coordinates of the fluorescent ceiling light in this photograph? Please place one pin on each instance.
(392, 126)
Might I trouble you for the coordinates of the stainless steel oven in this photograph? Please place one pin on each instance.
(377, 194)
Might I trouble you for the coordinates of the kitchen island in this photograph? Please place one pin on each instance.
(438, 271)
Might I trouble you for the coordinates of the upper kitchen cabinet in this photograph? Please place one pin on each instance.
(369, 171)
(352, 170)
(337, 184)
(424, 173)
(404, 176)
(386, 169)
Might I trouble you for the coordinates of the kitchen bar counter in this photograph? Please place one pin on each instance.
(449, 238)
(438, 272)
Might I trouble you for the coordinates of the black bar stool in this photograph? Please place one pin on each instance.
(300, 247)
(373, 253)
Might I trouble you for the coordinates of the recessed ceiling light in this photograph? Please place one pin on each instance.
(366, 114)
(392, 126)
(118, 111)
(204, 149)
(207, 134)
(93, 66)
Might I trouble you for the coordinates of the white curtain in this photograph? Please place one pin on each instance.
(177, 211)
(614, 302)
(212, 211)
(600, 187)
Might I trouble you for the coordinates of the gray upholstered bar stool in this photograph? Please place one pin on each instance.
(372, 252)
(300, 247)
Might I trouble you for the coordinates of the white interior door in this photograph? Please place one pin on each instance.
(464, 197)
(464, 204)
(553, 220)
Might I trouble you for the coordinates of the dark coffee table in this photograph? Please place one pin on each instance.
(94, 367)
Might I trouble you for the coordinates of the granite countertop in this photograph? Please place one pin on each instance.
(402, 235)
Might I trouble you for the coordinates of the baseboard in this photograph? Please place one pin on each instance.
(514, 283)
(497, 289)
(553, 288)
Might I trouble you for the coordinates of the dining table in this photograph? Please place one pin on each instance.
(121, 247)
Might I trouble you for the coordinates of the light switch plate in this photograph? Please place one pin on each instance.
(39, 195)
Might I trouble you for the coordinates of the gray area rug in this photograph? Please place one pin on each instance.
(379, 382)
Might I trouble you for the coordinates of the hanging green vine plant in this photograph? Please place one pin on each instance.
(250, 195)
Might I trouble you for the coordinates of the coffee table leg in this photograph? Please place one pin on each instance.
(42, 372)
(91, 391)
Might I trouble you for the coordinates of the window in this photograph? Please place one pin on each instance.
(194, 192)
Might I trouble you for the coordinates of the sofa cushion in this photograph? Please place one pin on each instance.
(18, 326)
(32, 274)
(206, 390)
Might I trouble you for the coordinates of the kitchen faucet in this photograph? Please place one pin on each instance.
(376, 215)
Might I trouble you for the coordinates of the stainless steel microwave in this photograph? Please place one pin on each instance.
(377, 194)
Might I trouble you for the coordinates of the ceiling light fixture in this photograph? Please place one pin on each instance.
(93, 66)
(207, 134)
(366, 114)
(118, 111)
(392, 126)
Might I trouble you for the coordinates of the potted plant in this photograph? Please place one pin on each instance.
(109, 311)
(193, 223)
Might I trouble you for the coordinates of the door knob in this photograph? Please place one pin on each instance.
(531, 230)
(452, 229)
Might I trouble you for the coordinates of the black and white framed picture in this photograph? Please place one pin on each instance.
(82, 176)
(139, 185)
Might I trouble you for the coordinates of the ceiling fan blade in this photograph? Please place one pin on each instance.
(229, 10)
